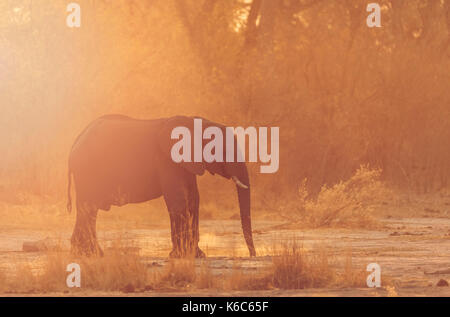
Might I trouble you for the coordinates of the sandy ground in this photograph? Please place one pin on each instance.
(413, 253)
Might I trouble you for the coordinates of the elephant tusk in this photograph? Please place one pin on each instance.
(238, 182)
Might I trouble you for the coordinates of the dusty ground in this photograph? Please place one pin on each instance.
(413, 253)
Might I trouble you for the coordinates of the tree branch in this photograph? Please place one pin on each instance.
(251, 30)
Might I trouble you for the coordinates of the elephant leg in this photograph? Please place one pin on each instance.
(180, 221)
(181, 233)
(194, 203)
(178, 234)
(84, 236)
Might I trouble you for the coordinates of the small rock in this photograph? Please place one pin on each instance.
(35, 246)
(442, 283)
(30, 247)
(154, 264)
(129, 288)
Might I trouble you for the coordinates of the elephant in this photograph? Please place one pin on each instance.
(117, 160)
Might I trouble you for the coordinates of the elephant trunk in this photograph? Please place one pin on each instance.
(244, 206)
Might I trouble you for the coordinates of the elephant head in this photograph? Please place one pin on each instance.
(230, 169)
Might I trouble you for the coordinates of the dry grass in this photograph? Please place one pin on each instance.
(205, 277)
(178, 273)
(3, 279)
(241, 279)
(351, 276)
(295, 268)
(123, 269)
(22, 280)
(119, 269)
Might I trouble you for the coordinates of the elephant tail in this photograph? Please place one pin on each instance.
(69, 197)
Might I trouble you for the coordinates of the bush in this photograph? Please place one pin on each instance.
(349, 203)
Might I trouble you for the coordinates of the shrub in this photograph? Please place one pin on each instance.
(349, 203)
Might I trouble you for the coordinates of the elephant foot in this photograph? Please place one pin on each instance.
(86, 248)
(176, 253)
(80, 251)
(200, 253)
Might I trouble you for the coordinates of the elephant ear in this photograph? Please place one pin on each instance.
(166, 142)
(215, 167)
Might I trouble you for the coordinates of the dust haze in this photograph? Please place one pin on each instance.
(364, 128)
